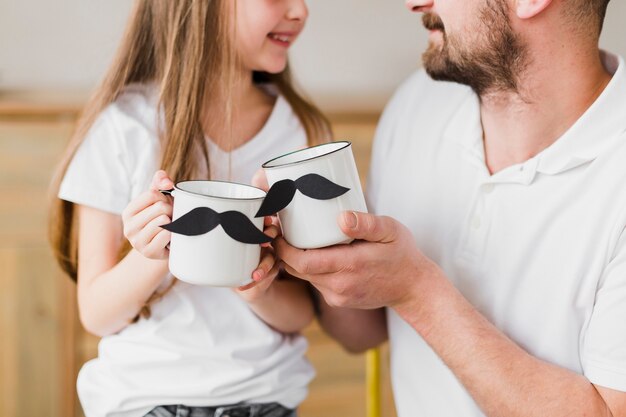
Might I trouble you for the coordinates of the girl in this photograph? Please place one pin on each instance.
(199, 88)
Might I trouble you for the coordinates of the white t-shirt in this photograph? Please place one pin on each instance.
(202, 346)
(538, 248)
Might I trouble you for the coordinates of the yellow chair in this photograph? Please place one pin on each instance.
(372, 375)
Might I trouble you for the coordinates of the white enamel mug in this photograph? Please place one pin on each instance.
(214, 258)
(310, 223)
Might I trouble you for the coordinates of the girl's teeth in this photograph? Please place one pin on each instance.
(280, 38)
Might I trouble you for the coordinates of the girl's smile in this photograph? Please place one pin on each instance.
(284, 39)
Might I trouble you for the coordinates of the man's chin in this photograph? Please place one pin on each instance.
(440, 70)
(434, 63)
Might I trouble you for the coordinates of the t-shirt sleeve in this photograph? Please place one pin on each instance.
(97, 175)
(604, 346)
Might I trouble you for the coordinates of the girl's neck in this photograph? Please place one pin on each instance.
(250, 109)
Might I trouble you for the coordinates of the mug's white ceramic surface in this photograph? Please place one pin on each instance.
(308, 223)
(214, 258)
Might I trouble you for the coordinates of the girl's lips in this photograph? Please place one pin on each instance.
(282, 39)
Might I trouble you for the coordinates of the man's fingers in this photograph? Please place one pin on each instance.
(365, 226)
(311, 261)
(291, 271)
(318, 281)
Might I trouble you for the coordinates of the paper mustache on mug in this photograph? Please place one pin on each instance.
(202, 220)
(311, 185)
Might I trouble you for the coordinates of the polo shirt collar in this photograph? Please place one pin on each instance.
(595, 130)
(465, 127)
(592, 133)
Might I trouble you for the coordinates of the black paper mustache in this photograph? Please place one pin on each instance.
(202, 220)
(311, 185)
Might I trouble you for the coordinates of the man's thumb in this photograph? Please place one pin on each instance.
(365, 226)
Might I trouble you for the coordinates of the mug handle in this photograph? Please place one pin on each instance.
(169, 192)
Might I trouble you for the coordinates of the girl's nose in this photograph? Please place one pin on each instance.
(297, 10)
(419, 5)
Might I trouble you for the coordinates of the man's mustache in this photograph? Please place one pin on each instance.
(202, 220)
(311, 185)
(432, 21)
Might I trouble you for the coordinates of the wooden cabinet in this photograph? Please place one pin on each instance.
(42, 344)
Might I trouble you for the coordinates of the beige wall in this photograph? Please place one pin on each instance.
(350, 58)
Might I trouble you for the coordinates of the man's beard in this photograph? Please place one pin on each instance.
(494, 65)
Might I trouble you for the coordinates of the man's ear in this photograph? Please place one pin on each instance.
(526, 9)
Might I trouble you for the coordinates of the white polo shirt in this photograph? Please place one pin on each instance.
(538, 248)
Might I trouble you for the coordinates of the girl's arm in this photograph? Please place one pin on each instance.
(111, 292)
(284, 304)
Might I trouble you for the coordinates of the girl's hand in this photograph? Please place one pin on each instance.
(144, 216)
(266, 272)
(259, 180)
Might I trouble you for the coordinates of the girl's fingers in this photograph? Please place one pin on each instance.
(261, 286)
(259, 180)
(141, 202)
(265, 266)
(157, 247)
(273, 273)
(275, 221)
(142, 240)
(134, 225)
(269, 278)
(161, 181)
(271, 231)
(248, 286)
(258, 288)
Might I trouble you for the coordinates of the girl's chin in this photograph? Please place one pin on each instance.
(274, 68)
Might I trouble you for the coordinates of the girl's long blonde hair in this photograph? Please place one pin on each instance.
(185, 48)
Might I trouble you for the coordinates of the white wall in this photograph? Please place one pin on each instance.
(351, 57)
(58, 44)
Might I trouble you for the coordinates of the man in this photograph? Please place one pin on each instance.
(502, 262)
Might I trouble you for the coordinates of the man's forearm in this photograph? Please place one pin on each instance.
(502, 378)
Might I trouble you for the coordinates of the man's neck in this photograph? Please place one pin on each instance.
(519, 125)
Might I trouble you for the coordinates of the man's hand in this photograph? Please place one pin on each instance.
(382, 267)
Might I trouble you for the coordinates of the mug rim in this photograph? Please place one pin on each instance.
(218, 197)
(266, 164)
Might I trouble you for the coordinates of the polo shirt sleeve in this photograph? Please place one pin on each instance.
(604, 345)
(97, 175)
